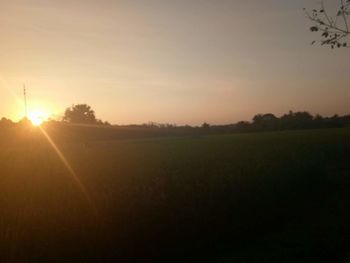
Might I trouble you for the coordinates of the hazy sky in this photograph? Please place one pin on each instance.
(177, 61)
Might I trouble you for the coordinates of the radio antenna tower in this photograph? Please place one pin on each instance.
(25, 101)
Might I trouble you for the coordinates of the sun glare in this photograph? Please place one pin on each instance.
(37, 117)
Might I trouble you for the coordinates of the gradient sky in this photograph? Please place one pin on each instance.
(173, 61)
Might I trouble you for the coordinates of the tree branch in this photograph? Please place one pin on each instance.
(333, 34)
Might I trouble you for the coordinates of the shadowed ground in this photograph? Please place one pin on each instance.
(267, 197)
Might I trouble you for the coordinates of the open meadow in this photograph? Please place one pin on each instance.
(266, 197)
(174, 131)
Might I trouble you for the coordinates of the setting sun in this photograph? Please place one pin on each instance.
(37, 117)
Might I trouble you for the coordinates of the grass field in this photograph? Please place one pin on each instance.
(265, 197)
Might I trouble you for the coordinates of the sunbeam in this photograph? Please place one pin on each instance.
(70, 169)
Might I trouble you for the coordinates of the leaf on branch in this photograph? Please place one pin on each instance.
(333, 31)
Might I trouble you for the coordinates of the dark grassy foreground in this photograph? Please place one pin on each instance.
(268, 197)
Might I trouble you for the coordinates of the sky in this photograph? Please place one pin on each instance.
(168, 61)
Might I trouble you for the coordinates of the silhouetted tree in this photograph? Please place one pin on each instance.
(296, 120)
(266, 121)
(24, 122)
(205, 126)
(4, 122)
(80, 113)
(304, 119)
(257, 119)
(242, 126)
(334, 30)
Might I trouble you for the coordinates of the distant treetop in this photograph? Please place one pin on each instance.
(81, 113)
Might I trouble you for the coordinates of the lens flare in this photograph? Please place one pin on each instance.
(70, 169)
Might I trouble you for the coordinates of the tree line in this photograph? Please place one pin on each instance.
(263, 122)
(84, 114)
(292, 121)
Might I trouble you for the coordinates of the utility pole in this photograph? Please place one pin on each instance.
(25, 101)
